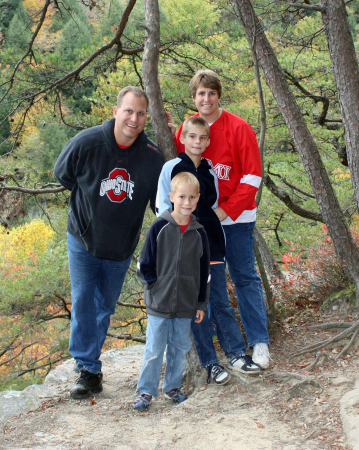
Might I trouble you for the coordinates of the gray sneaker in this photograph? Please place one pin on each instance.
(217, 374)
(244, 364)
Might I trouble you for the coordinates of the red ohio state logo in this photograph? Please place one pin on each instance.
(117, 186)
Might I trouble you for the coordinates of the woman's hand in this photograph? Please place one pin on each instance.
(171, 124)
(221, 214)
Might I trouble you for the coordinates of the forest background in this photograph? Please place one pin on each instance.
(61, 67)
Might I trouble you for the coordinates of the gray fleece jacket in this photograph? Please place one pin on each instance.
(174, 268)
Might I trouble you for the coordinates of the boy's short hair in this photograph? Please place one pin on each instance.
(195, 121)
(184, 178)
(138, 92)
(208, 79)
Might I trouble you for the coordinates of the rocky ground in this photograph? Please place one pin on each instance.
(262, 412)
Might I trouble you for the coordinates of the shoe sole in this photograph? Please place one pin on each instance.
(176, 402)
(222, 383)
(145, 408)
(95, 390)
(245, 372)
(263, 367)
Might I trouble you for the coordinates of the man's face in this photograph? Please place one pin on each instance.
(207, 101)
(130, 118)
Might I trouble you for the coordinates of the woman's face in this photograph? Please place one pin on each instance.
(207, 102)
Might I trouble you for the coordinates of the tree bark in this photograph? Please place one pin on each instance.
(346, 76)
(150, 60)
(344, 244)
(270, 264)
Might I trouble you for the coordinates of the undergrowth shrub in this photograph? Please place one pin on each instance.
(310, 276)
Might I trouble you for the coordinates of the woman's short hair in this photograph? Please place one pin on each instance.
(208, 79)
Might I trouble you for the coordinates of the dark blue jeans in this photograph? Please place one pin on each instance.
(96, 286)
(221, 313)
(240, 259)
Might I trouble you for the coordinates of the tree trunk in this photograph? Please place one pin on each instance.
(346, 76)
(344, 244)
(269, 262)
(150, 60)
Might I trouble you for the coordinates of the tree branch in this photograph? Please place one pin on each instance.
(4, 186)
(131, 305)
(319, 8)
(126, 337)
(33, 37)
(315, 98)
(289, 184)
(285, 198)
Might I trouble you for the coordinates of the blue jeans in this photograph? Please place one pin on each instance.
(175, 334)
(240, 259)
(221, 313)
(96, 286)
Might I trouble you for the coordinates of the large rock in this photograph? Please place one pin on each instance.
(57, 382)
(349, 407)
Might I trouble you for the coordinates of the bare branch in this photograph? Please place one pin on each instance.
(319, 8)
(4, 186)
(285, 198)
(126, 336)
(29, 51)
(289, 184)
(131, 305)
(74, 73)
(66, 308)
(21, 351)
(33, 369)
(315, 98)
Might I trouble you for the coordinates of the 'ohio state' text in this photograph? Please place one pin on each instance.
(117, 186)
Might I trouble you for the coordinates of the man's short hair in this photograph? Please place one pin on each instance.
(195, 121)
(135, 90)
(208, 79)
(184, 178)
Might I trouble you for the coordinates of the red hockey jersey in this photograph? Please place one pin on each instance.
(234, 155)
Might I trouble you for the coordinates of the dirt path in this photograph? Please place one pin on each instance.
(255, 413)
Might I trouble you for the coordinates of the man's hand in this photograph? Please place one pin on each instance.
(199, 316)
(171, 124)
(221, 214)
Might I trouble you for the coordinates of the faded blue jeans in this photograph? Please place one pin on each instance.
(96, 286)
(175, 334)
(240, 259)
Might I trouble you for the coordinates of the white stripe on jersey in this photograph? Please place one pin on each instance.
(253, 180)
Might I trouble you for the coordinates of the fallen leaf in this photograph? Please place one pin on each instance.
(321, 438)
(93, 402)
(260, 425)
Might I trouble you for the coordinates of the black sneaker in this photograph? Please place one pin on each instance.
(218, 374)
(244, 364)
(88, 383)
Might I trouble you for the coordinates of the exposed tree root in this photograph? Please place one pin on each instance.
(331, 326)
(320, 360)
(351, 330)
(303, 382)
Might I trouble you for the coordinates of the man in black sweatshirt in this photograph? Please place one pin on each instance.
(112, 172)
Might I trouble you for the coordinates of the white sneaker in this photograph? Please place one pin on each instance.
(261, 355)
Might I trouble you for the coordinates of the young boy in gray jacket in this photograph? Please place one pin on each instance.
(174, 269)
